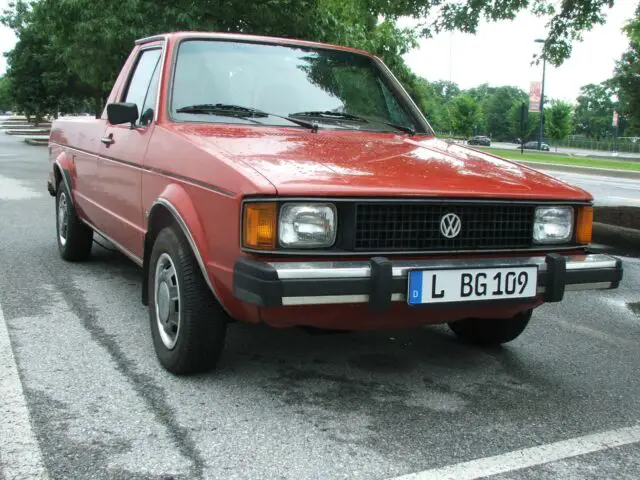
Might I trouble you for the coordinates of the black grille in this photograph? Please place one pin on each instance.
(416, 226)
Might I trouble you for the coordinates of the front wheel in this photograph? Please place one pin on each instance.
(74, 237)
(188, 325)
(482, 331)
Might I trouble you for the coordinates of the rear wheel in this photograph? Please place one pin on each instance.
(482, 331)
(188, 326)
(74, 237)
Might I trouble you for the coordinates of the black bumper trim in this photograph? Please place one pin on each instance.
(556, 277)
(258, 283)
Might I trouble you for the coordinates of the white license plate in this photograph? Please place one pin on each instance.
(472, 284)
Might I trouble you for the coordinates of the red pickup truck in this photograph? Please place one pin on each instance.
(291, 183)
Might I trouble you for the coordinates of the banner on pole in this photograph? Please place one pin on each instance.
(534, 96)
(614, 122)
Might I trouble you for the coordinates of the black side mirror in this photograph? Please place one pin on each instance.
(119, 113)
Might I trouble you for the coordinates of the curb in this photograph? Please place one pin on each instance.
(621, 238)
(39, 143)
(27, 132)
(607, 172)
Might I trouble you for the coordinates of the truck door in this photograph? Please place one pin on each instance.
(122, 153)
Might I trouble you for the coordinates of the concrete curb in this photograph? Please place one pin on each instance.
(606, 172)
(27, 132)
(35, 141)
(617, 228)
(621, 238)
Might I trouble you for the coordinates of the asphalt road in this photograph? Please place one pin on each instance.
(89, 400)
(609, 191)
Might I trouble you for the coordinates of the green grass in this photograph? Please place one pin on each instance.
(563, 159)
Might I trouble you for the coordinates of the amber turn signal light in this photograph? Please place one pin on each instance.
(584, 230)
(259, 226)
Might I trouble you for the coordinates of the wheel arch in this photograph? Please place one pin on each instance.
(174, 207)
(61, 167)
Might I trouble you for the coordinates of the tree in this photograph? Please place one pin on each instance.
(594, 110)
(558, 121)
(41, 82)
(531, 124)
(498, 112)
(445, 90)
(465, 114)
(6, 98)
(626, 78)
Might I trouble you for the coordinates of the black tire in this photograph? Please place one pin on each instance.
(74, 237)
(199, 335)
(480, 331)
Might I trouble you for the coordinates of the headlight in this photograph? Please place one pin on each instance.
(553, 224)
(307, 225)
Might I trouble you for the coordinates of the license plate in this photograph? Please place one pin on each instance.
(472, 284)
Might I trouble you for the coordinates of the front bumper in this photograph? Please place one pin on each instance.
(380, 281)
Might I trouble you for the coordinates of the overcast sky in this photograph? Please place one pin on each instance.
(500, 54)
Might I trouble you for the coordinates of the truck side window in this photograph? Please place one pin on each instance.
(140, 82)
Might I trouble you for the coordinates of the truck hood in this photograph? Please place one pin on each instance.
(348, 163)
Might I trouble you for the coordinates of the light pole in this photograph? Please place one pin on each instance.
(544, 68)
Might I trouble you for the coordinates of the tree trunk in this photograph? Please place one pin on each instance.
(97, 106)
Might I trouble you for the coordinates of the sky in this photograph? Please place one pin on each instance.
(500, 54)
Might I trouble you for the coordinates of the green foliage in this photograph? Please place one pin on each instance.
(40, 81)
(557, 122)
(626, 78)
(531, 123)
(594, 110)
(6, 97)
(498, 112)
(465, 114)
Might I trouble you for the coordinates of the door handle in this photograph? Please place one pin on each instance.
(108, 140)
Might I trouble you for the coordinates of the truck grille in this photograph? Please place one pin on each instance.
(416, 226)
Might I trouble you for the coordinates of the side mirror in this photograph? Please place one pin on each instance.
(119, 113)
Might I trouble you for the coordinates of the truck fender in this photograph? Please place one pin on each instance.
(175, 202)
(63, 169)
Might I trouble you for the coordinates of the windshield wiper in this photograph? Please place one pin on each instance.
(240, 112)
(356, 118)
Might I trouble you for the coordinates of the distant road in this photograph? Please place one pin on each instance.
(566, 150)
(612, 191)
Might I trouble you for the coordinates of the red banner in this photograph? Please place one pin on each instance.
(535, 92)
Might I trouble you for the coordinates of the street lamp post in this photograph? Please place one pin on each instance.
(544, 68)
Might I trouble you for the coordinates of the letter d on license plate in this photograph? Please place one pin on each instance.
(472, 284)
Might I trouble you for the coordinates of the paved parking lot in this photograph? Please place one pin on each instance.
(82, 395)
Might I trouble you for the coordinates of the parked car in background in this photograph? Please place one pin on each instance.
(479, 140)
(290, 183)
(533, 145)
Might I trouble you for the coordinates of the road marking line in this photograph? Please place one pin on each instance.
(20, 455)
(530, 457)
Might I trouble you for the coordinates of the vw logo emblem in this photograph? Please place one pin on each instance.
(450, 225)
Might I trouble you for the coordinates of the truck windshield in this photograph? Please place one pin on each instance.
(333, 88)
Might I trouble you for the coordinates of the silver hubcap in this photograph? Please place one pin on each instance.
(62, 219)
(167, 293)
